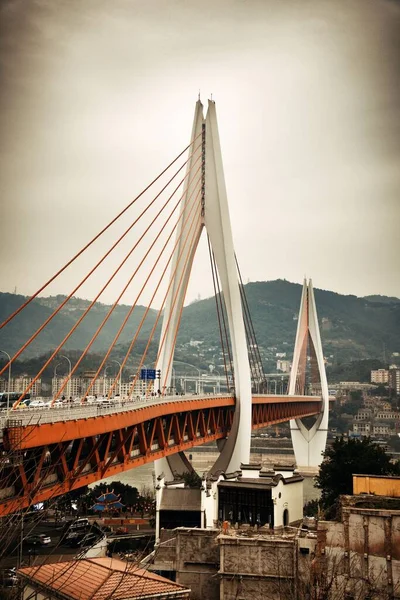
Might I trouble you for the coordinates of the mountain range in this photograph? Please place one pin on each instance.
(351, 327)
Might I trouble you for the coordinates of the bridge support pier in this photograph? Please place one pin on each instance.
(309, 444)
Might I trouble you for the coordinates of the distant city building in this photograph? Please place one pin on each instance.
(72, 388)
(353, 385)
(381, 429)
(362, 427)
(280, 355)
(394, 380)
(77, 386)
(388, 415)
(363, 413)
(283, 365)
(20, 383)
(379, 376)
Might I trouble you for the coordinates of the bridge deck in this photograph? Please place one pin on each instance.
(47, 452)
(74, 412)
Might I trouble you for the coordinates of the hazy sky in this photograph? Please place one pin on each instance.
(98, 96)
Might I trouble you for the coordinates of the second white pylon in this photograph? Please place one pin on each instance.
(309, 444)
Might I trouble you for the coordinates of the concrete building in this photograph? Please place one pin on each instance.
(379, 376)
(394, 380)
(355, 558)
(232, 563)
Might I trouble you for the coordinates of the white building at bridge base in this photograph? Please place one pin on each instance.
(254, 495)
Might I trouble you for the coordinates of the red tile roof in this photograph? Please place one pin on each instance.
(101, 578)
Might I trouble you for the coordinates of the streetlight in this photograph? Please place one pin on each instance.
(120, 376)
(9, 379)
(173, 381)
(193, 366)
(55, 379)
(69, 374)
(218, 381)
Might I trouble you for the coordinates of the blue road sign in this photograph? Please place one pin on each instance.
(147, 374)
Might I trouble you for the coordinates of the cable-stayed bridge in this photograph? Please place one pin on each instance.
(49, 452)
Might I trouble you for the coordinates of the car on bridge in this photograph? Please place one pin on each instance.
(37, 403)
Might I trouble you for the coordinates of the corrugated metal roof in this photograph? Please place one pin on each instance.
(100, 578)
(180, 499)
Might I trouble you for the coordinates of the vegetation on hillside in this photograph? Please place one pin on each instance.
(352, 328)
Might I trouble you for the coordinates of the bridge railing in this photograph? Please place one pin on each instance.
(71, 411)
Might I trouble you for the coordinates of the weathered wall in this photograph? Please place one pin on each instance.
(256, 568)
(197, 562)
(364, 546)
(291, 498)
(165, 555)
(378, 485)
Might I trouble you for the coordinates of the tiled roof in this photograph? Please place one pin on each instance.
(100, 578)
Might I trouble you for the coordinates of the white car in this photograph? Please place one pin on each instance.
(102, 400)
(38, 404)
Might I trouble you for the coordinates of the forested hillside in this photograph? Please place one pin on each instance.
(352, 328)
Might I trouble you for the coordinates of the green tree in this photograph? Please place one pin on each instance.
(345, 458)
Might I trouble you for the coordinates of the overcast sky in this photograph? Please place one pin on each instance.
(98, 96)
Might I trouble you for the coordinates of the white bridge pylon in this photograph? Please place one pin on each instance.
(214, 217)
(308, 444)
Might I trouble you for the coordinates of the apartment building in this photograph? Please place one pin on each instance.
(362, 427)
(380, 376)
(394, 380)
(20, 383)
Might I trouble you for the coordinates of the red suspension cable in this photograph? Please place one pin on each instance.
(75, 326)
(33, 336)
(165, 298)
(162, 306)
(146, 311)
(96, 237)
(65, 383)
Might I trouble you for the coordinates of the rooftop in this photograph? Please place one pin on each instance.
(101, 578)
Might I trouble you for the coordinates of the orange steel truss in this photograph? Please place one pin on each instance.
(43, 461)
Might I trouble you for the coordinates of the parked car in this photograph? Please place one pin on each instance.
(8, 578)
(38, 540)
(79, 524)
